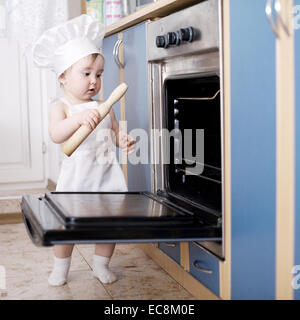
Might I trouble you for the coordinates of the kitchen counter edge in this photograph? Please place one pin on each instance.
(158, 9)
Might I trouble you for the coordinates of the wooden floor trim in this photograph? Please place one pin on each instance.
(11, 218)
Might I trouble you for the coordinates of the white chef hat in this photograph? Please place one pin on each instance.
(60, 47)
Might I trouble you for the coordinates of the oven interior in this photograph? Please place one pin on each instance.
(194, 173)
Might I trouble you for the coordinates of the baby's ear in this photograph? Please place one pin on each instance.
(62, 79)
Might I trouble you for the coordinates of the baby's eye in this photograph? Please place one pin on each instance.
(99, 75)
(86, 74)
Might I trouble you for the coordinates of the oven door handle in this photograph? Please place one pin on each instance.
(116, 54)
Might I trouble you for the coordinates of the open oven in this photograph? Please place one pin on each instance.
(186, 139)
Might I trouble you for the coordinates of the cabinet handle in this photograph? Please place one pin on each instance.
(197, 265)
(169, 244)
(116, 54)
(269, 12)
(278, 11)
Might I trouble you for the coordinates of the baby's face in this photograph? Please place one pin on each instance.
(83, 79)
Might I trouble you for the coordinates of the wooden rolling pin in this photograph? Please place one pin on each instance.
(83, 132)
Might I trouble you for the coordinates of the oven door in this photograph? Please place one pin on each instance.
(105, 217)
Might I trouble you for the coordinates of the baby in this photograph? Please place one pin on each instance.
(76, 58)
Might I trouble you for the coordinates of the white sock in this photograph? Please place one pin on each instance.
(101, 271)
(59, 274)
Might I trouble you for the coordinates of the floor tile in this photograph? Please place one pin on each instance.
(28, 267)
(36, 262)
(81, 286)
(139, 277)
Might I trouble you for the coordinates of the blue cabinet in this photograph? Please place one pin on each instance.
(253, 151)
(171, 249)
(111, 75)
(205, 267)
(136, 99)
(135, 75)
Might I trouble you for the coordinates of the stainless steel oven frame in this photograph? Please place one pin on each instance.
(193, 60)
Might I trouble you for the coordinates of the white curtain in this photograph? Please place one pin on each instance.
(3, 19)
(28, 19)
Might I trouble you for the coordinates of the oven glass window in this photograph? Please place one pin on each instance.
(193, 119)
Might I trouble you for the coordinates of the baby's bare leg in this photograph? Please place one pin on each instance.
(105, 250)
(62, 261)
(103, 253)
(63, 250)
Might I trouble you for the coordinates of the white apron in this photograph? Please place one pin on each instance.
(93, 166)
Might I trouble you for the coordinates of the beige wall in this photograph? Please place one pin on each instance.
(74, 8)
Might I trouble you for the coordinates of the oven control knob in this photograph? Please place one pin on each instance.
(173, 38)
(161, 42)
(187, 34)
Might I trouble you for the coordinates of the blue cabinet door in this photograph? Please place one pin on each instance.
(135, 71)
(171, 249)
(297, 160)
(111, 75)
(253, 166)
(204, 267)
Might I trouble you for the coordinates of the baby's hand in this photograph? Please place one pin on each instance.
(126, 142)
(89, 118)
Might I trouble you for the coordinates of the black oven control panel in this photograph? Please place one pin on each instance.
(175, 38)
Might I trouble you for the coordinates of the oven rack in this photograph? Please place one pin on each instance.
(198, 98)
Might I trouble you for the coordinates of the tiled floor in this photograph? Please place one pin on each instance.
(27, 268)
